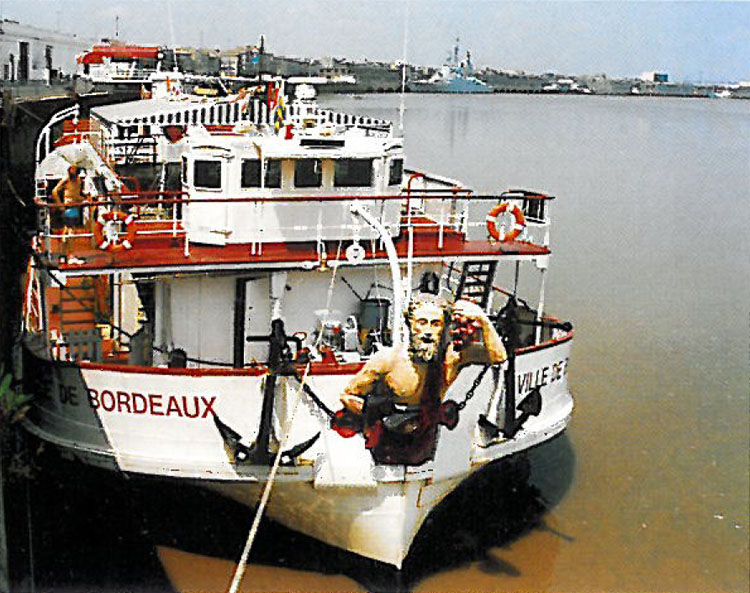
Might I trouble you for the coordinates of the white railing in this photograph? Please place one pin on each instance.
(44, 140)
(141, 149)
(326, 117)
(188, 112)
(113, 73)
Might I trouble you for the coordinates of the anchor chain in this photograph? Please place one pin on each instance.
(470, 393)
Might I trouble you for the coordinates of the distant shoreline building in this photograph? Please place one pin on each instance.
(654, 76)
(29, 53)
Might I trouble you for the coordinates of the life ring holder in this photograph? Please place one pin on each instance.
(105, 231)
(355, 254)
(519, 222)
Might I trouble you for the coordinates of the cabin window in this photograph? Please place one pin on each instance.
(353, 173)
(396, 173)
(273, 173)
(307, 173)
(184, 170)
(534, 209)
(250, 173)
(207, 174)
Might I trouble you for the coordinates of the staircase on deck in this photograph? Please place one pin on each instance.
(77, 318)
(476, 282)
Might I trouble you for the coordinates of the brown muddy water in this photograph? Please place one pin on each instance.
(649, 488)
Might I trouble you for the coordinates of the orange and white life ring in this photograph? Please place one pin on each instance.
(519, 222)
(106, 230)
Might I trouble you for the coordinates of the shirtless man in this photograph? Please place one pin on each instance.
(69, 195)
(71, 188)
(423, 375)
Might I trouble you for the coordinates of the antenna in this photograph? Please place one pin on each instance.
(403, 69)
(171, 24)
(117, 26)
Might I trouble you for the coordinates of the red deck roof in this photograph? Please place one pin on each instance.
(162, 252)
(99, 52)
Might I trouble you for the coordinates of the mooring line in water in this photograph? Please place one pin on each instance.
(239, 572)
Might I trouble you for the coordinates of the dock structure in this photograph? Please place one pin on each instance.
(23, 112)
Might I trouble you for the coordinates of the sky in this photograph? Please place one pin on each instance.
(691, 40)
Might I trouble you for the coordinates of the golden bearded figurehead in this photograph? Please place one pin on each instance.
(427, 321)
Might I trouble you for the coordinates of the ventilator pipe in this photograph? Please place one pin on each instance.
(390, 249)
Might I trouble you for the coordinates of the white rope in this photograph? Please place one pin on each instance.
(239, 573)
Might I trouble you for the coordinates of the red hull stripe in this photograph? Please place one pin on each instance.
(315, 369)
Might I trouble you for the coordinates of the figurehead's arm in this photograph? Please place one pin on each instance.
(363, 382)
(493, 350)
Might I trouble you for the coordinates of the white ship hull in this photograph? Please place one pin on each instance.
(161, 424)
(379, 522)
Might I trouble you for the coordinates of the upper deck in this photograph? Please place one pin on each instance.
(191, 203)
(431, 226)
(260, 184)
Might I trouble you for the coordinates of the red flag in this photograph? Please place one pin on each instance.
(272, 95)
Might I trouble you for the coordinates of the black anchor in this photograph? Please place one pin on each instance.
(530, 406)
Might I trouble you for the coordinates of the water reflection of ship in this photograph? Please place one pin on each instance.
(455, 76)
(505, 503)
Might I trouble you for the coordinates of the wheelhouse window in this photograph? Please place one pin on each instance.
(396, 172)
(534, 209)
(273, 173)
(250, 173)
(307, 173)
(353, 173)
(207, 174)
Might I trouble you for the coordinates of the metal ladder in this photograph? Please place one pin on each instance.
(476, 281)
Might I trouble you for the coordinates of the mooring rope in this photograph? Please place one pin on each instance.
(239, 572)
